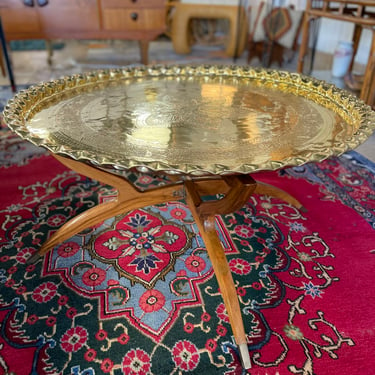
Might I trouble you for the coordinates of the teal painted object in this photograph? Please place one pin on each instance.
(32, 45)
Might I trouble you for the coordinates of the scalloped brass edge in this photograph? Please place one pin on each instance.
(354, 111)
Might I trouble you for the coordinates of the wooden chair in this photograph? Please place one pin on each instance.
(280, 28)
(185, 12)
(357, 12)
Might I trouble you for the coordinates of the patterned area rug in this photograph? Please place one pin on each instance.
(137, 295)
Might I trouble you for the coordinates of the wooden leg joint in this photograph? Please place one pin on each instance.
(237, 193)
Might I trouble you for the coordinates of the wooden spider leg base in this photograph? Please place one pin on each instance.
(237, 190)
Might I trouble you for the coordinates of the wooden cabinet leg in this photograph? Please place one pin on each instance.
(143, 47)
(49, 47)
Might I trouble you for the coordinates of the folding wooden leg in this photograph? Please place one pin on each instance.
(273, 191)
(227, 288)
(241, 188)
(129, 198)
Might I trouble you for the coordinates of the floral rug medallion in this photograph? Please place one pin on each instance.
(142, 247)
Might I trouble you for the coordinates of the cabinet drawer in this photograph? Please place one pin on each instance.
(126, 4)
(133, 19)
(20, 20)
(11, 4)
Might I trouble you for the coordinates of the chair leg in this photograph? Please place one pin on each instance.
(49, 48)
(356, 38)
(368, 88)
(304, 43)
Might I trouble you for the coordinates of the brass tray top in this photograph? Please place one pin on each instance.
(191, 119)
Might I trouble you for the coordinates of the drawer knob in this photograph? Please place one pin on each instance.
(42, 3)
(134, 16)
(29, 3)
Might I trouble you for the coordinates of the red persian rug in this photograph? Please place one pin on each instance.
(137, 295)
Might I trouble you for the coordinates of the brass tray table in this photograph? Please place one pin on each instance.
(207, 127)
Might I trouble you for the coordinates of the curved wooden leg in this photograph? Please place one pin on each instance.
(237, 192)
(102, 212)
(129, 198)
(226, 284)
(273, 191)
(241, 187)
(143, 48)
(74, 226)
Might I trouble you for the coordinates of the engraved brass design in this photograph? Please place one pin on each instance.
(191, 119)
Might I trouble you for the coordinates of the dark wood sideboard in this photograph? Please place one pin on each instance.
(141, 20)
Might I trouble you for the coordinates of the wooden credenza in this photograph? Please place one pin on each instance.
(141, 20)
